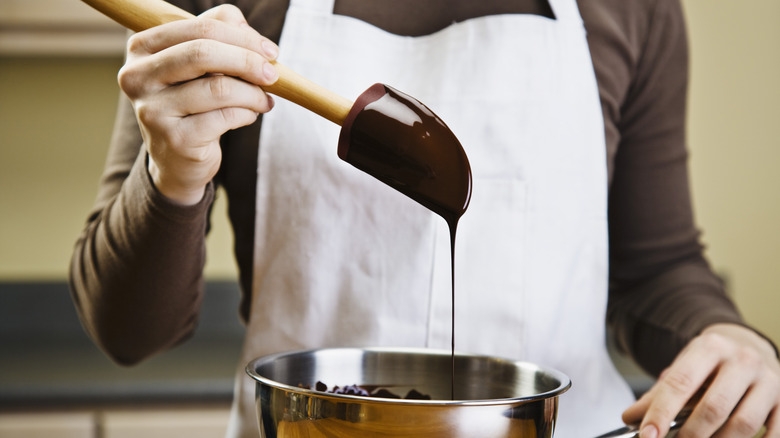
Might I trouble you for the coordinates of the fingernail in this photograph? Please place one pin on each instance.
(649, 431)
(270, 72)
(270, 49)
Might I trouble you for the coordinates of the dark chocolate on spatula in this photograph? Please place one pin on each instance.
(397, 139)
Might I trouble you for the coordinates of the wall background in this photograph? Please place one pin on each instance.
(57, 103)
(734, 138)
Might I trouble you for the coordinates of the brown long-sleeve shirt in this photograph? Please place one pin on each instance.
(137, 267)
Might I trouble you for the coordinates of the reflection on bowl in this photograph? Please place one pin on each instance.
(493, 397)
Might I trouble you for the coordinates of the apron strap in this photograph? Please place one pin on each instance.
(565, 10)
(325, 6)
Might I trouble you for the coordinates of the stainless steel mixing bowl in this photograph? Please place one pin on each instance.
(493, 397)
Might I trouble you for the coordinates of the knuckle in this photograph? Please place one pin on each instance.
(743, 424)
(139, 44)
(715, 342)
(748, 357)
(772, 380)
(714, 409)
(236, 117)
(127, 80)
(691, 433)
(146, 114)
(206, 29)
(133, 80)
(226, 11)
(680, 383)
(200, 50)
(229, 115)
(220, 87)
(251, 62)
(135, 44)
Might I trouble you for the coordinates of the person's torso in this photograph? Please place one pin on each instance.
(342, 260)
(615, 34)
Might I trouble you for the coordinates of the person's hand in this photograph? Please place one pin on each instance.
(735, 373)
(190, 81)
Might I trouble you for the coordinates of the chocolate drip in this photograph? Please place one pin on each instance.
(398, 140)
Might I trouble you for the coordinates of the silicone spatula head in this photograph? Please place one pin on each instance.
(398, 140)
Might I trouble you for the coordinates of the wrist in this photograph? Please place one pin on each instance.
(744, 335)
(175, 193)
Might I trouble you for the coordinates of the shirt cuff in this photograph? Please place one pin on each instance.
(163, 205)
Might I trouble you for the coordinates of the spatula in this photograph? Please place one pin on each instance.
(386, 133)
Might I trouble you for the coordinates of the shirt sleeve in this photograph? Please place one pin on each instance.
(136, 269)
(136, 273)
(662, 290)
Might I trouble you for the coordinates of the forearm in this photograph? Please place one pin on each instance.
(654, 319)
(136, 269)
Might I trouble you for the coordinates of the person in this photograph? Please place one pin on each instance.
(572, 114)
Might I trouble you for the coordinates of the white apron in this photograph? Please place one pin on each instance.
(343, 260)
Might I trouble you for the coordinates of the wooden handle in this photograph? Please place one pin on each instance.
(138, 15)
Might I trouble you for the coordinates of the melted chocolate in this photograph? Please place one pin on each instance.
(398, 140)
(395, 138)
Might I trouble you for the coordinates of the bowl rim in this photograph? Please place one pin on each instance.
(565, 381)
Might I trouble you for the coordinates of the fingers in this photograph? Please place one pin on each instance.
(191, 50)
(213, 92)
(203, 94)
(160, 38)
(235, 102)
(678, 384)
(190, 81)
(193, 59)
(216, 122)
(224, 23)
(733, 380)
(730, 376)
(755, 409)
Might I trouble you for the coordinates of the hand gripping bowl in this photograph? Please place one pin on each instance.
(493, 397)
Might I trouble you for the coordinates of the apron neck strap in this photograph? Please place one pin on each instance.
(566, 10)
(325, 6)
